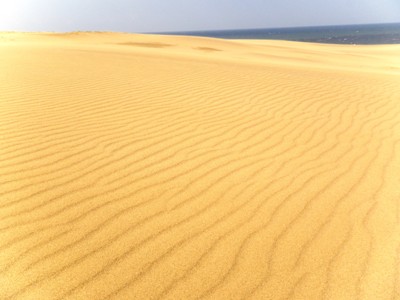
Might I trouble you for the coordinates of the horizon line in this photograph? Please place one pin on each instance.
(194, 31)
(285, 27)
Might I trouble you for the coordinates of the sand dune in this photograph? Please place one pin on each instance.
(156, 167)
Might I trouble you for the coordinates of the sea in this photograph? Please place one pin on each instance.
(366, 34)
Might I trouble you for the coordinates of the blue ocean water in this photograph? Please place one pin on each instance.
(344, 34)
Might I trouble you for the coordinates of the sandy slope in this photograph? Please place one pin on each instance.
(144, 167)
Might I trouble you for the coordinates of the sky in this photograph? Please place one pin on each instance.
(188, 15)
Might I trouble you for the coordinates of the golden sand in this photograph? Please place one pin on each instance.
(161, 167)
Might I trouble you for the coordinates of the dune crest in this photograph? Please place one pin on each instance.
(162, 167)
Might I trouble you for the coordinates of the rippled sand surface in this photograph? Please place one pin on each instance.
(162, 167)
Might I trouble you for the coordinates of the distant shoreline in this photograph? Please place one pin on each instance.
(363, 34)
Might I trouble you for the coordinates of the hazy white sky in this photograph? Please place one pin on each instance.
(183, 15)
